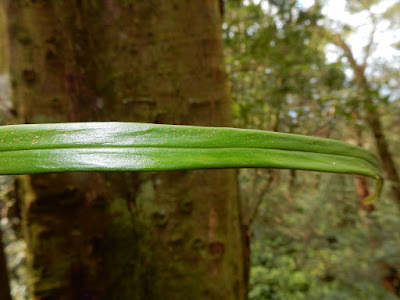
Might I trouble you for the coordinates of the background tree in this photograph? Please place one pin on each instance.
(364, 95)
(367, 98)
(174, 235)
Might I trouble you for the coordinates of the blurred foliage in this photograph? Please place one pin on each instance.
(309, 241)
(277, 65)
(393, 14)
(309, 237)
(356, 6)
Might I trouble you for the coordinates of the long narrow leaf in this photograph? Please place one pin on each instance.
(43, 148)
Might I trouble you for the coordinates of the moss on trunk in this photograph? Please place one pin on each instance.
(167, 235)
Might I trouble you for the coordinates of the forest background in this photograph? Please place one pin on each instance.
(312, 236)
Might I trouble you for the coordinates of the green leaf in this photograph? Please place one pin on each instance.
(43, 148)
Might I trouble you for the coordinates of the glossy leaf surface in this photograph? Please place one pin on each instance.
(114, 146)
(42, 148)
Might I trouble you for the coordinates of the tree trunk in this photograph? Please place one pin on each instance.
(4, 60)
(166, 235)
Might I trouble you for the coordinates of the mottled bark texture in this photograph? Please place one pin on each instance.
(4, 279)
(167, 235)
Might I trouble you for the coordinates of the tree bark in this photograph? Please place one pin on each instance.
(166, 235)
(4, 60)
